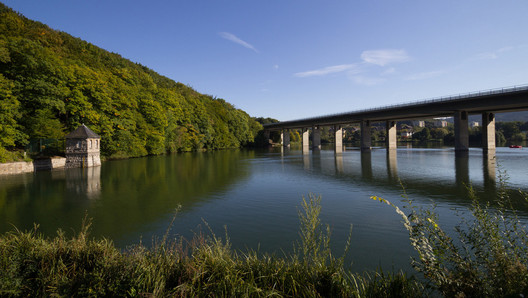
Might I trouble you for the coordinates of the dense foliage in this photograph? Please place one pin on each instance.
(51, 82)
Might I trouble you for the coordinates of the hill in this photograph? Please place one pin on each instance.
(512, 116)
(52, 82)
(521, 116)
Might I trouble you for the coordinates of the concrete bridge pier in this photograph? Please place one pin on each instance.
(488, 131)
(316, 137)
(338, 138)
(391, 139)
(285, 137)
(306, 140)
(461, 131)
(366, 140)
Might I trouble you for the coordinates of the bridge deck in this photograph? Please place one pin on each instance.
(496, 100)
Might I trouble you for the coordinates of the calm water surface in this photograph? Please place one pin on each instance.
(255, 196)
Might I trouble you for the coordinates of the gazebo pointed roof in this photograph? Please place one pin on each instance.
(82, 132)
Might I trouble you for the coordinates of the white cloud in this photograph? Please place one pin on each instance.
(235, 39)
(424, 75)
(328, 70)
(385, 57)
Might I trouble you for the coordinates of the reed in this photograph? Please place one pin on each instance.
(486, 255)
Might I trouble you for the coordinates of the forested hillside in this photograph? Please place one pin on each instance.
(51, 82)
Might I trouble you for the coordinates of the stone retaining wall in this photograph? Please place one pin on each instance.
(16, 167)
(29, 167)
(49, 163)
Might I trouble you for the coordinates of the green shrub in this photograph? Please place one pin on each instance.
(487, 258)
(12, 156)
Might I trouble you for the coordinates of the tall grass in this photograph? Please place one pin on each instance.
(32, 265)
(486, 257)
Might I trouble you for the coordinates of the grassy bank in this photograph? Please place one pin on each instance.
(32, 265)
(487, 257)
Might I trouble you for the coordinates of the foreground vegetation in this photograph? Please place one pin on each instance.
(52, 82)
(32, 265)
(486, 257)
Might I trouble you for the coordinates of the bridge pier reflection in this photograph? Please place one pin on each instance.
(339, 163)
(462, 169)
(307, 161)
(392, 164)
(366, 164)
(284, 151)
(449, 170)
(489, 163)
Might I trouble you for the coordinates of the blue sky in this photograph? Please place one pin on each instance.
(301, 58)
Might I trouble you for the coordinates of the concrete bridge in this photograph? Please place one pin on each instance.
(485, 103)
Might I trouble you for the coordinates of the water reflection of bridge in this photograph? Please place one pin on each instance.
(345, 166)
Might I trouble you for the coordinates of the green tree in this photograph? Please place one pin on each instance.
(499, 137)
(509, 128)
(295, 136)
(51, 82)
(518, 137)
(10, 130)
(439, 133)
(422, 135)
(45, 125)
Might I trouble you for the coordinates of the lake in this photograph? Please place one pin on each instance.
(255, 196)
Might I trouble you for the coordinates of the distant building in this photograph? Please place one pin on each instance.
(406, 134)
(83, 148)
(474, 124)
(419, 123)
(440, 123)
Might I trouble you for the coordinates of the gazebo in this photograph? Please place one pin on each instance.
(83, 148)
